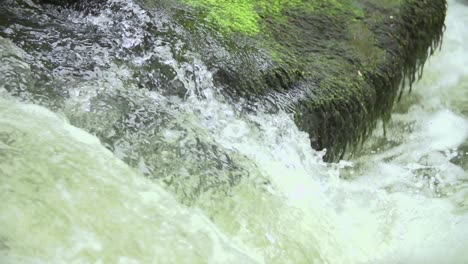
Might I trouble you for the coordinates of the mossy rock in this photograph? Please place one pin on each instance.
(338, 65)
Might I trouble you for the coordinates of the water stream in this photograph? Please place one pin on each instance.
(103, 160)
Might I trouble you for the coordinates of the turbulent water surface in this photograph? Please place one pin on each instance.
(105, 159)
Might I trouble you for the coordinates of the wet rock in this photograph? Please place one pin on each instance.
(338, 66)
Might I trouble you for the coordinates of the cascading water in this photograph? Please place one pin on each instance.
(105, 159)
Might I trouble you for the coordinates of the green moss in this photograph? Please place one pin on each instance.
(242, 15)
(245, 16)
(336, 64)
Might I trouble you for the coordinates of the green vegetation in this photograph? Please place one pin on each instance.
(339, 63)
(244, 16)
(241, 15)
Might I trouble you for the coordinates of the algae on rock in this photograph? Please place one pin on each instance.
(336, 64)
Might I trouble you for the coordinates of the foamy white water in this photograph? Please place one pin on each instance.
(202, 182)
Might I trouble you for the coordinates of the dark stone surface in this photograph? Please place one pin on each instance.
(337, 69)
(338, 66)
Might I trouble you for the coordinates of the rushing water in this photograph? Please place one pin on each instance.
(100, 163)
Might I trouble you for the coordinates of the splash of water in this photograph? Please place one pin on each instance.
(202, 181)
